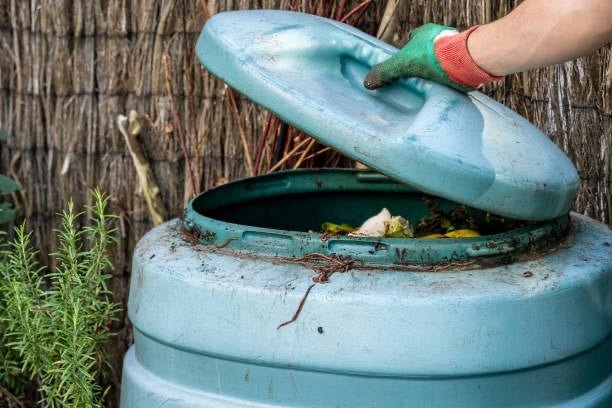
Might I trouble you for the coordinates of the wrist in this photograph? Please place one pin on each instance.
(455, 60)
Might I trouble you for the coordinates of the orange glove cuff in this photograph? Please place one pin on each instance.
(455, 60)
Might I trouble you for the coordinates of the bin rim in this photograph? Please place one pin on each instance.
(419, 253)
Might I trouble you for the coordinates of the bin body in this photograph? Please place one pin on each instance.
(533, 332)
(520, 317)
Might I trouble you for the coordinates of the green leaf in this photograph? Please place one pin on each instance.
(3, 135)
(8, 185)
(7, 212)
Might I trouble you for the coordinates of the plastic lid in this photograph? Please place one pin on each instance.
(467, 148)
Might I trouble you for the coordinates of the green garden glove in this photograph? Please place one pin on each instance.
(434, 52)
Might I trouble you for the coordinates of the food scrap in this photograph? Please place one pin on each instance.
(462, 233)
(398, 227)
(455, 223)
(382, 224)
(332, 228)
(374, 226)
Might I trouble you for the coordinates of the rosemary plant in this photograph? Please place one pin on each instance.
(57, 321)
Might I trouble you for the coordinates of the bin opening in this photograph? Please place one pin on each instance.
(282, 213)
(306, 212)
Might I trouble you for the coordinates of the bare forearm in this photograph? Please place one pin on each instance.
(541, 32)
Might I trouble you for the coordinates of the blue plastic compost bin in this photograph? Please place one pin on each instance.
(245, 303)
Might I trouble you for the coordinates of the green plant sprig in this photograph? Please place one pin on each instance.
(59, 331)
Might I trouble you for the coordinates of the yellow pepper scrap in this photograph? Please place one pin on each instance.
(462, 233)
(337, 228)
(433, 236)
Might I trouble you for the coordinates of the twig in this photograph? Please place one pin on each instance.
(288, 155)
(315, 154)
(340, 10)
(333, 160)
(361, 6)
(280, 140)
(488, 11)
(293, 137)
(359, 16)
(338, 157)
(245, 144)
(388, 22)
(299, 309)
(190, 120)
(179, 127)
(304, 153)
(130, 129)
(262, 142)
(272, 145)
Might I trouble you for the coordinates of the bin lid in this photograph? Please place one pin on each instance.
(467, 148)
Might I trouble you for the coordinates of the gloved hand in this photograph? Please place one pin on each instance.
(434, 52)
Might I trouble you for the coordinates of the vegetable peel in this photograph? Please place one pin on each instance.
(374, 226)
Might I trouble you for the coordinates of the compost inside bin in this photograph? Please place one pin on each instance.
(282, 214)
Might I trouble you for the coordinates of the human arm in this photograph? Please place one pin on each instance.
(535, 34)
(541, 32)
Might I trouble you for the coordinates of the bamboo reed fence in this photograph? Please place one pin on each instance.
(69, 68)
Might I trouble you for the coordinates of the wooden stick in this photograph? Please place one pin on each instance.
(358, 8)
(388, 22)
(262, 142)
(272, 142)
(179, 126)
(288, 155)
(243, 139)
(303, 155)
(340, 10)
(130, 129)
(315, 154)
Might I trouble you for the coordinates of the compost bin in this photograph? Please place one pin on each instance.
(246, 303)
